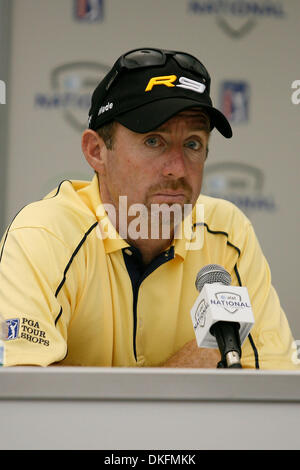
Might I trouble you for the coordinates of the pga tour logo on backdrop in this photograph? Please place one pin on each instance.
(234, 101)
(2, 92)
(88, 10)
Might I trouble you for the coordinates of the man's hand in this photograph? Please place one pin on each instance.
(192, 356)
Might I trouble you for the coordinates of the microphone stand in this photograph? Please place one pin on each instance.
(228, 339)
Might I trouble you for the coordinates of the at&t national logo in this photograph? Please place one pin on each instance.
(71, 88)
(237, 17)
(2, 92)
(231, 301)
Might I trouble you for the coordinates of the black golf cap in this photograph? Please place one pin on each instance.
(146, 87)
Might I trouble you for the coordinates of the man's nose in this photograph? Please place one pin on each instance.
(174, 164)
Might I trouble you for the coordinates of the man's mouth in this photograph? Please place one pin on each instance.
(171, 192)
(170, 195)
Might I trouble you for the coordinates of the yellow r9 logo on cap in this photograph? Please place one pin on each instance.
(166, 80)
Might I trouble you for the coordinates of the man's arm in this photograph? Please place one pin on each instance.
(271, 333)
(270, 345)
(192, 356)
(29, 276)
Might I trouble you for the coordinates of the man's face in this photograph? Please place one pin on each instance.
(162, 166)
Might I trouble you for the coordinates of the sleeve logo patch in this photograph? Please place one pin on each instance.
(13, 326)
(24, 328)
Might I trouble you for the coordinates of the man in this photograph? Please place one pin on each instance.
(103, 273)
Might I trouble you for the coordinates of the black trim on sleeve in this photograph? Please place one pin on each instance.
(69, 264)
(237, 275)
(58, 188)
(254, 350)
(58, 316)
(73, 255)
(249, 335)
(219, 232)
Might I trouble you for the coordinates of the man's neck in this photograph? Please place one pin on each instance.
(149, 249)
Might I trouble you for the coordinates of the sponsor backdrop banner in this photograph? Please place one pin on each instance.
(5, 11)
(60, 50)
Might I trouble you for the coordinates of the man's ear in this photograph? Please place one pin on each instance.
(94, 150)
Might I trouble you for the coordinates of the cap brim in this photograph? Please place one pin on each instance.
(149, 116)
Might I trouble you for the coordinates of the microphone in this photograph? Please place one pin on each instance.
(222, 315)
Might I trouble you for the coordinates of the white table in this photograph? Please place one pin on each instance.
(149, 408)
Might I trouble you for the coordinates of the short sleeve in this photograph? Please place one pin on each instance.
(30, 272)
(271, 336)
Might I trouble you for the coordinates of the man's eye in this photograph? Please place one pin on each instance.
(153, 141)
(193, 144)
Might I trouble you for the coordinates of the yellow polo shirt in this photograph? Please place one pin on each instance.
(69, 295)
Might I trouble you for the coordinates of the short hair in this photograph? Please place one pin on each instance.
(107, 133)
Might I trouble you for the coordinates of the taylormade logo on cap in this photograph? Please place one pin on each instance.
(105, 108)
